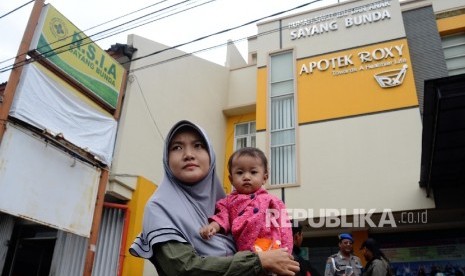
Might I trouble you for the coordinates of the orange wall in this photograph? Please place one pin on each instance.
(322, 95)
(144, 190)
(327, 94)
(359, 238)
(262, 101)
(451, 25)
(229, 144)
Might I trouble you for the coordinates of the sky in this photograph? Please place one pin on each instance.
(193, 19)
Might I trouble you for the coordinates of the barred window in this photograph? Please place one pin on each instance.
(454, 53)
(282, 120)
(244, 135)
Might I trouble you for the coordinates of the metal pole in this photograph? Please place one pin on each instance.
(15, 74)
(94, 231)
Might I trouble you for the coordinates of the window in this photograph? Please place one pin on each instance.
(454, 52)
(282, 119)
(244, 135)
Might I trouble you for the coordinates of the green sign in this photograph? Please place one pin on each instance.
(73, 53)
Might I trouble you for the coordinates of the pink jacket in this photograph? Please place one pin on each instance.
(244, 216)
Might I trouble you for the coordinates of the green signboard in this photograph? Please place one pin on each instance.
(63, 45)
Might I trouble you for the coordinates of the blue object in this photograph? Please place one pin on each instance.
(346, 236)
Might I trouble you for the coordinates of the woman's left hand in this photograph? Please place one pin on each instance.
(279, 261)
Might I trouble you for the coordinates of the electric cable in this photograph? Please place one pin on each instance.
(198, 51)
(100, 24)
(53, 52)
(227, 30)
(4, 69)
(103, 31)
(156, 19)
(148, 109)
(10, 12)
(211, 47)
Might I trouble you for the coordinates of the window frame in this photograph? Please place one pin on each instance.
(451, 43)
(293, 94)
(248, 136)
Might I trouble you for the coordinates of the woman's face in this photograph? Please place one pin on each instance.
(367, 254)
(188, 157)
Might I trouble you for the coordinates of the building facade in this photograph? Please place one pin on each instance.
(335, 97)
(344, 100)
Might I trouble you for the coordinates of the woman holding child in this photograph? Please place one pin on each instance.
(182, 205)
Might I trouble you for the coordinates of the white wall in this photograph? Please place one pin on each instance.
(242, 87)
(160, 95)
(363, 162)
(445, 5)
(335, 40)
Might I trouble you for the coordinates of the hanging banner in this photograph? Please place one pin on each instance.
(61, 44)
(45, 101)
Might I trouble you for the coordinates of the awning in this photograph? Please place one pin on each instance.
(443, 141)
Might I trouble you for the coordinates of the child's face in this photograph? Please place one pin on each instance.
(247, 174)
(188, 157)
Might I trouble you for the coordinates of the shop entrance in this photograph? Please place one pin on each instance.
(30, 250)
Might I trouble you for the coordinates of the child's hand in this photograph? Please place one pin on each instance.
(207, 232)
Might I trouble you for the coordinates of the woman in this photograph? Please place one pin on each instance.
(377, 263)
(181, 206)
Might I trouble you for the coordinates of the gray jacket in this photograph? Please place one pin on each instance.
(337, 263)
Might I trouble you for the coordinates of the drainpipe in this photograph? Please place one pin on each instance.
(105, 175)
(97, 219)
(433, 144)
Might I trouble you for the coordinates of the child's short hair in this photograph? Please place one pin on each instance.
(249, 151)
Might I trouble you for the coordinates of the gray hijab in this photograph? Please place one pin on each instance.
(176, 211)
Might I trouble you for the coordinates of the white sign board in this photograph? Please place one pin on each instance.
(38, 182)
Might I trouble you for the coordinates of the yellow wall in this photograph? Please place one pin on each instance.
(229, 145)
(261, 98)
(97, 71)
(323, 95)
(144, 190)
(328, 94)
(451, 25)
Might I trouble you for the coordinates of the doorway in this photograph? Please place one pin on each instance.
(30, 250)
